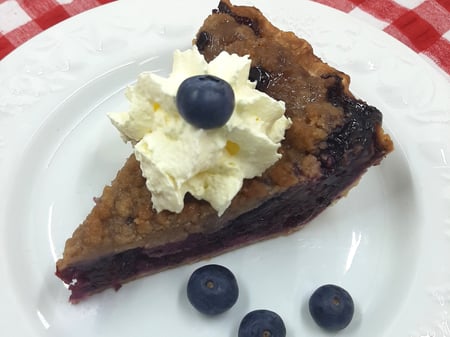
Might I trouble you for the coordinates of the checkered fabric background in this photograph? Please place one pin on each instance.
(423, 25)
(20, 20)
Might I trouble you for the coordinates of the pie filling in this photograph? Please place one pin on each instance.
(351, 149)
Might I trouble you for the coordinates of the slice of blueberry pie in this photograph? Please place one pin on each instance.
(329, 140)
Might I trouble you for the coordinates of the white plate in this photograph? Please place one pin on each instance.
(388, 242)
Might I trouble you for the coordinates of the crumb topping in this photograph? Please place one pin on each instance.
(124, 217)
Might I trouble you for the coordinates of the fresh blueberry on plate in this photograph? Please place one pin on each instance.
(331, 307)
(262, 323)
(212, 289)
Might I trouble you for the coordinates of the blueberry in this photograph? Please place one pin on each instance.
(205, 101)
(331, 307)
(262, 323)
(212, 289)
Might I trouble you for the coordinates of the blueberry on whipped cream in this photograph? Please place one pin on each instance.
(205, 101)
(177, 157)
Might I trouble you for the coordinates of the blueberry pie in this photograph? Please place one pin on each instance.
(334, 138)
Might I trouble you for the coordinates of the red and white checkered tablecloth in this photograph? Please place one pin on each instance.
(423, 25)
(20, 20)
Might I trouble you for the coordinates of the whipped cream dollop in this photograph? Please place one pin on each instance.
(177, 158)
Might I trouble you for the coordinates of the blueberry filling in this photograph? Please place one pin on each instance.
(356, 133)
(242, 20)
(203, 40)
(259, 75)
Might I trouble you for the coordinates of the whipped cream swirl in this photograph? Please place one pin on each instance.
(177, 158)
